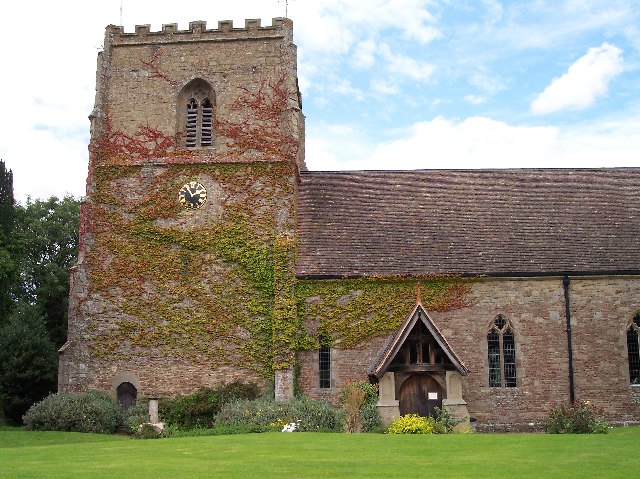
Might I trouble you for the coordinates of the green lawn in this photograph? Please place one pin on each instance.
(52, 455)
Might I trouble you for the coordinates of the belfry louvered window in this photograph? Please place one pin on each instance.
(206, 130)
(199, 123)
(633, 350)
(196, 104)
(191, 128)
(501, 347)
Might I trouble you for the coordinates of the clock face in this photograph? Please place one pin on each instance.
(192, 195)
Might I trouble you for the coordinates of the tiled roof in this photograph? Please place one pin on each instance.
(394, 342)
(494, 222)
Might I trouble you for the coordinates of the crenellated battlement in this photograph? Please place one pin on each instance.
(197, 31)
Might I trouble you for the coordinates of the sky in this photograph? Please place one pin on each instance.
(395, 84)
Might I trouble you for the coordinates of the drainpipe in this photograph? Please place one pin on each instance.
(567, 312)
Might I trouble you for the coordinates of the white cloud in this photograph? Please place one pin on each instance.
(545, 23)
(328, 145)
(364, 54)
(343, 87)
(410, 67)
(334, 26)
(586, 80)
(473, 143)
(476, 99)
(385, 87)
(404, 66)
(487, 83)
(481, 142)
(495, 11)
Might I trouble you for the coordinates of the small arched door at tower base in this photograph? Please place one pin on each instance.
(127, 395)
(420, 394)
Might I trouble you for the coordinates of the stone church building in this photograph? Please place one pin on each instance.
(208, 253)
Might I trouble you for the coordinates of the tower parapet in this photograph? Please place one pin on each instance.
(198, 32)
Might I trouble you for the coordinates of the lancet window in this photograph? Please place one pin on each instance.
(501, 346)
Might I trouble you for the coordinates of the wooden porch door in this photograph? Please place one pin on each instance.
(420, 394)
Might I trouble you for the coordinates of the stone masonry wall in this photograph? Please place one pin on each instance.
(179, 299)
(601, 309)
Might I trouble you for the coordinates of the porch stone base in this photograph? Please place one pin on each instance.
(388, 412)
(458, 410)
(388, 405)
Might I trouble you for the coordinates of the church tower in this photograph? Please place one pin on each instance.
(185, 270)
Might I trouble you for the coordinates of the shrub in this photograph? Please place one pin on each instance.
(443, 422)
(411, 424)
(576, 418)
(313, 415)
(91, 411)
(136, 416)
(199, 410)
(370, 418)
(359, 398)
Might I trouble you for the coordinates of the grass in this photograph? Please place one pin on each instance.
(53, 455)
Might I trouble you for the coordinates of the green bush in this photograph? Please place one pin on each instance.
(91, 411)
(370, 418)
(199, 410)
(312, 415)
(136, 416)
(576, 418)
(443, 422)
(411, 424)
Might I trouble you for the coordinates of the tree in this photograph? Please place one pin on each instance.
(28, 360)
(48, 241)
(7, 202)
(7, 263)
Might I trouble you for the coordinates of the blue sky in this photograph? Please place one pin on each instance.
(396, 84)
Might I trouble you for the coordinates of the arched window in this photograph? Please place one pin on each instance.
(501, 346)
(633, 350)
(195, 114)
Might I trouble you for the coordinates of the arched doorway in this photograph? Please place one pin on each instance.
(126, 394)
(420, 394)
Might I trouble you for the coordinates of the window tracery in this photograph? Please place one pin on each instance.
(501, 348)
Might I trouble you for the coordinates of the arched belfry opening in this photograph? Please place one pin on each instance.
(196, 114)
